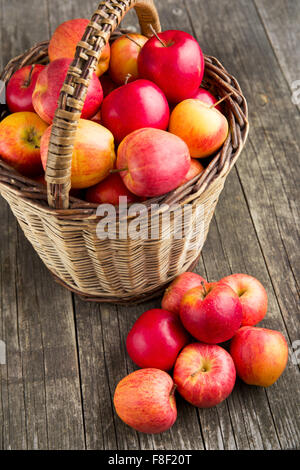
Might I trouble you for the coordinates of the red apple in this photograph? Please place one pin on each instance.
(195, 169)
(65, 39)
(20, 88)
(176, 290)
(155, 161)
(175, 63)
(107, 85)
(109, 191)
(252, 294)
(202, 127)
(212, 313)
(156, 339)
(134, 106)
(260, 355)
(93, 154)
(48, 87)
(145, 401)
(206, 97)
(204, 374)
(97, 117)
(20, 138)
(124, 56)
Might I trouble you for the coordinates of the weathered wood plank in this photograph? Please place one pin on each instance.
(270, 189)
(281, 19)
(40, 390)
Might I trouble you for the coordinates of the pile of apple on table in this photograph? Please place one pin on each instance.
(184, 336)
(145, 121)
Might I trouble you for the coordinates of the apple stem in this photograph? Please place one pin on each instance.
(222, 99)
(133, 40)
(173, 390)
(28, 81)
(118, 170)
(204, 288)
(127, 78)
(157, 37)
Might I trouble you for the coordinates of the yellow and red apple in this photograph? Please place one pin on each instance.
(152, 161)
(145, 400)
(195, 169)
(202, 127)
(93, 154)
(48, 87)
(124, 57)
(260, 355)
(65, 39)
(20, 139)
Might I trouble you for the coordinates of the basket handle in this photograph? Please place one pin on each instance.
(104, 21)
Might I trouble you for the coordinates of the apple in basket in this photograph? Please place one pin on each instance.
(174, 61)
(204, 374)
(201, 126)
(133, 106)
(20, 88)
(48, 87)
(20, 139)
(260, 355)
(145, 400)
(109, 191)
(65, 39)
(152, 162)
(195, 169)
(93, 154)
(124, 56)
(206, 97)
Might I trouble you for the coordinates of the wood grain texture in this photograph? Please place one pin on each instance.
(281, 19)
(57, 387)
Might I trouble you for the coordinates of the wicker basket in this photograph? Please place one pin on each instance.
(63, 230)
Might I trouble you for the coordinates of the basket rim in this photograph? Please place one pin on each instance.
(215, 76)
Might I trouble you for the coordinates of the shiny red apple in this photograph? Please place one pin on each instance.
(174, 61)
(252, 295)
(156, 339)
(212, 313)
(153, 161)
(134, 106)
(20, 88)
(204, 374)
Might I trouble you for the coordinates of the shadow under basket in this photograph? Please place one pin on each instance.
(62, 230)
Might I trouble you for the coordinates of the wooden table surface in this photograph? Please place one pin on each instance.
(64, 357)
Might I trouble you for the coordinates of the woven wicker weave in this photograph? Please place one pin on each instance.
(63, 230)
